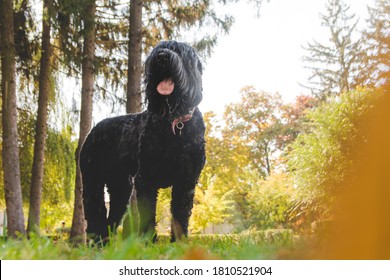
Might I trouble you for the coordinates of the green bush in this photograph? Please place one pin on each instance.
(322, 159)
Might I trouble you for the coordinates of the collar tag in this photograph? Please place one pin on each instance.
(178, 123)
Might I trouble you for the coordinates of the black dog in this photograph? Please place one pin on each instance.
(160, 147)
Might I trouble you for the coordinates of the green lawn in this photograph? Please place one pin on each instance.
(258, 245)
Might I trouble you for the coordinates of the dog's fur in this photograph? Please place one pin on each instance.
(160, 147)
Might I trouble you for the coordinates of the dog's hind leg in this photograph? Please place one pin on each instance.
(119, 198)
(95, 210)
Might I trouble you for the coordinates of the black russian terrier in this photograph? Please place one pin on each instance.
(161, 147)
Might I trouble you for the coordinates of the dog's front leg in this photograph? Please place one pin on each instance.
(181, 207)
(146, 200)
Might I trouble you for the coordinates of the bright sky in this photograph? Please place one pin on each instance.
(266, 51)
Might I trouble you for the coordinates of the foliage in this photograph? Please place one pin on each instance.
(260, 126)
(163, 211)
(58, 172)
(59, 161)
(26, 46)
(56, 217)
(256, 122)
(26, 127)
(212, 207)
(321, 159)
(294, 117)
(269, 202)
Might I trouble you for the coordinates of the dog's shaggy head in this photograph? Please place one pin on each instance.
(173, 79)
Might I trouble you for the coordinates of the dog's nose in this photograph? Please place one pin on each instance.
(162, 56)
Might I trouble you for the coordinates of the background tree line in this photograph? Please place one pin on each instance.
(269, 164)
(278, 165)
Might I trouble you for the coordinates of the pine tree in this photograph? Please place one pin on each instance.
(88, 76)
(41, 123)
(10, 153)
(334, 66)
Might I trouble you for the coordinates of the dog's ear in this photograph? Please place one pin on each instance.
(197, 97)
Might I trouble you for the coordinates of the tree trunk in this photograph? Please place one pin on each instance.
(77, 233)
(134, 97)
(134, 72)
(41, 125)
(11, 168)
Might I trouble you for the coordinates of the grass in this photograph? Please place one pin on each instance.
(256, 245)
